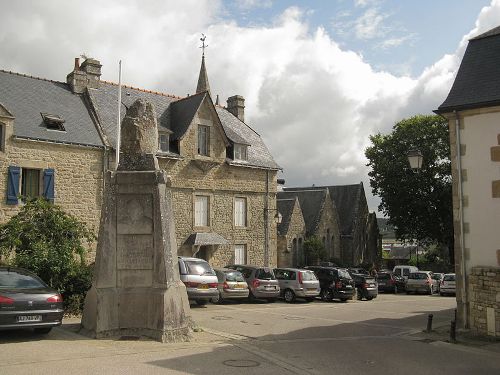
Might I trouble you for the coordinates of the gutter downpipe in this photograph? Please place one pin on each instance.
(463, 268)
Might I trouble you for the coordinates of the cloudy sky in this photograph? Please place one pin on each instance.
(318, 76)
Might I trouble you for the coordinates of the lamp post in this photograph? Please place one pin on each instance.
(415, 158)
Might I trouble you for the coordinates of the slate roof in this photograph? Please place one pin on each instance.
(201, 239)
(285, 208)
(311, 202)
(347, 199)
(26, 97)
(477, 83)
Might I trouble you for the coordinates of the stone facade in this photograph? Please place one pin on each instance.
(291, 238)
(484, 289)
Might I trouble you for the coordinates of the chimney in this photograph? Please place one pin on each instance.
(236, 105)
(86, 75)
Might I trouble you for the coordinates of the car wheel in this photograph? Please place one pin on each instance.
(43, 331)
(369, 298)
(219, 299)
(326, 295)
(289, 296)
(201, 302)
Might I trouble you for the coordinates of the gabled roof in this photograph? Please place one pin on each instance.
(25, 97)
(347, 200)
(285, 208)
(477, 83)
(182, 113)
(312, 203)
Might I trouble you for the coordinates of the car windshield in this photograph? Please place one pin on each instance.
(383, 276)
(199, 268)
(265, 274)
(436, 277)
(344, 274)
(15, 280)
(308, 276)
(418, 276)
(234, 276)
(449, 278)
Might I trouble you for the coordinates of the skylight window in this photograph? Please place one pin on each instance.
(53, 122)
(240, 152)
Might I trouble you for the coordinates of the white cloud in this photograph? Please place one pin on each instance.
(371, 24)
(249, 4)
(395, 42)
(313, 102)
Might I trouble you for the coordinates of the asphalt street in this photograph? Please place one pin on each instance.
(383, 336)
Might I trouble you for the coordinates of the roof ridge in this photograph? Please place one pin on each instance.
(30, 76)
(147, 91)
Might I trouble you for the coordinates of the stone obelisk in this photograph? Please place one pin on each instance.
(136, 290)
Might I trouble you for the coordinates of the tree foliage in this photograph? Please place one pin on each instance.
(314, 250)
(49, 242)
(418, 204)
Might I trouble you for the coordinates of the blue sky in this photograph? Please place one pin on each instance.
(399, 36)
(319, 77)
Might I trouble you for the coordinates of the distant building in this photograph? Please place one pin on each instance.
(473, 111)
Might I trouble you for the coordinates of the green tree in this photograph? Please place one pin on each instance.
(49, 242)
(418, 203)
(314, 250)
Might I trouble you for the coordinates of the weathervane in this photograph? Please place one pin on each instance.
(203, 37)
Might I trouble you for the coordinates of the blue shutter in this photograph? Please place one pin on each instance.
(13, 184)
(48, 184)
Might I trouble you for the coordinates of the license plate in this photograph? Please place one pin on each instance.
(312, 289)
(269, 287)
(239, 286)
(29, 318)
(203, 286)
(372, 285)
(381, 283)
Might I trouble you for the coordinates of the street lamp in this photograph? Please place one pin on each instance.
(415, 158)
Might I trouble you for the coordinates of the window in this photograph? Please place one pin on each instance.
(53, 122)
(240, 152)
(201, 211)
(240, 254)
(203, 140)
(163, 140)
(240, 212)
(30, 182)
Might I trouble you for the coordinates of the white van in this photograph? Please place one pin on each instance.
(404, 271)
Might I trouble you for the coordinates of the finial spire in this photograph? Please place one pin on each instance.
(203, 84)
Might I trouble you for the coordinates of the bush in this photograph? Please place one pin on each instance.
(49, 242)
(314, 250)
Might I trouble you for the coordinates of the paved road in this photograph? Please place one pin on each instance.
(375, 337)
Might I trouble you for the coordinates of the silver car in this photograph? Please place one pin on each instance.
(299, 283)
(232, 285)
(199, 278)
(448, 284)
(261, 281)
(420, 282)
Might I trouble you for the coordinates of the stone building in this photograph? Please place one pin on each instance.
(354, 237)
(291, 233)
(473, 111)
(59, 138)
(320, 218)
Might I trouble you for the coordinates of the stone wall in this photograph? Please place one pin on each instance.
(484, 297)
(78, 176)
(290, 246)
(328, 229)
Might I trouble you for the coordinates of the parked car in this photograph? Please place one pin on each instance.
(297, 283)
(404, 271)
(261, 281)
(420, 282)
(199, 278)
(27, 302)
(436, 279)
(448, 284)
(388, 282)
(335, 283)
(232, 285)
(366, 286)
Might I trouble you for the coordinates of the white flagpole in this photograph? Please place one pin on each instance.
(118, 130)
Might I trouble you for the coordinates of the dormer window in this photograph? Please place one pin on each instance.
(240, 152)
(203, 140)
(53, 122)
(163, 142)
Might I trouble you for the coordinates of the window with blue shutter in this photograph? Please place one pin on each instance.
(13, 184)
(48, 184)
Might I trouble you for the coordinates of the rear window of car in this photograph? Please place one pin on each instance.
(308, 276)
(15, 280)
(234, 276)
(449, 278)
(383, 276)
(344, 274)
(199, 268)
(265, 274)
(418, 276)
